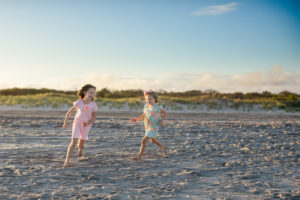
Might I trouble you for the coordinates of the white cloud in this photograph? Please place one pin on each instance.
(216, 10)
(274, 80)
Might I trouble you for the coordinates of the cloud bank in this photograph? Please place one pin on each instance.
(216, 10)
(274, 80)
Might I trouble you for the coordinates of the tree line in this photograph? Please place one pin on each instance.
(107, 93)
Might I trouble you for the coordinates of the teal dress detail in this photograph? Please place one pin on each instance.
(151, 119)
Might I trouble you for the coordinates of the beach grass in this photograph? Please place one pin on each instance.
(289, 102)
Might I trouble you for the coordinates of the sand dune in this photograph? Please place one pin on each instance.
(211, 156)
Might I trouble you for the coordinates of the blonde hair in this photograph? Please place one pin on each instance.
(153, 94)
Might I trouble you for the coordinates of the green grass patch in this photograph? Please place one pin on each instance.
(56, 100)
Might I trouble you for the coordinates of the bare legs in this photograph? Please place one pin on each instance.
(71, 149)
(163, 148)
(142, 149)
(143, 146)
(80, 147)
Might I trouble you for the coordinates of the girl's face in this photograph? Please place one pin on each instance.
(149, 100)
(90, 94)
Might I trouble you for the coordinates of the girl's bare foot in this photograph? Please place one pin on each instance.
(79, 153)
(136, 158)
(165, 152)
(66, 164)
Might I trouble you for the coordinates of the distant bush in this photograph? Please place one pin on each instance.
(236, 95)
(32, 91)
(119, 93)
(213, 99)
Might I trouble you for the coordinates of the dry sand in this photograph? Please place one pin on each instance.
(211, 156)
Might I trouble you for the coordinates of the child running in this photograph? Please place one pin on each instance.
(83, 120)
(153, 118)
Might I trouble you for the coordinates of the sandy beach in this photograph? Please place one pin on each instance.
(211, 156)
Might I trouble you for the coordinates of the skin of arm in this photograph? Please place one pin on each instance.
(163, 113)
(163, 116)
(65, 125)
(138, 118)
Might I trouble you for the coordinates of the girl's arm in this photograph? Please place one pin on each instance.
(138, 118)
(65, 125)
(91, 120)
(163, 116)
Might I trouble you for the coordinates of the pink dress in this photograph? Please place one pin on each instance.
(84, 114)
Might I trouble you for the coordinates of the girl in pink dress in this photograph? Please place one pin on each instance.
(83, 120)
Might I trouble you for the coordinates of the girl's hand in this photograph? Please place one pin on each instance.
(85, 124)
(65, 125)
(132, 120)
(161, 123)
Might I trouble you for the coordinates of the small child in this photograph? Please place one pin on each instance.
(83, 120)
(153, 118)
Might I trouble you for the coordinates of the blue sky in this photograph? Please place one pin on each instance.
(169, 44)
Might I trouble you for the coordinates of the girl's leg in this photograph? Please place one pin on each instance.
(155, 141)
(70, 151)
(142, 149)
(80, 147)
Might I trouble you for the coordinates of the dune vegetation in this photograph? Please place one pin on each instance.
(133, 99)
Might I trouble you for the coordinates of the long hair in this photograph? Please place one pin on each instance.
(84, 89)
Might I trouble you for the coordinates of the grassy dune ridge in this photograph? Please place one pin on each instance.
(133, 99)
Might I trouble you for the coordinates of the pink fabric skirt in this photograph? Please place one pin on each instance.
(79, 131)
